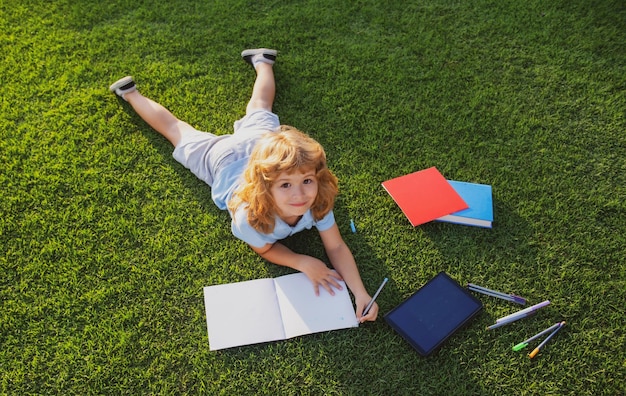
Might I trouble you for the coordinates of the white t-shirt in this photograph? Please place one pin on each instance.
(244, 231)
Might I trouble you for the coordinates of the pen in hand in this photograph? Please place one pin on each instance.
(369, 306)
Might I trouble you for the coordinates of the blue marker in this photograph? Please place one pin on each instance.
(352, 226)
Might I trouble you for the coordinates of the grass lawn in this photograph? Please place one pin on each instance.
(106, 241)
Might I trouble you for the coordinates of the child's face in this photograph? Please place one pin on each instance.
(294, 194)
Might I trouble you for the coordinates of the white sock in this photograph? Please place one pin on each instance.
(123, 94)
(259, 58)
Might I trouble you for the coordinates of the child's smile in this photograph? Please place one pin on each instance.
(294, 194)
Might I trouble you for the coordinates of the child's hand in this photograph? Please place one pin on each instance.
(361, 302)
(321, 275)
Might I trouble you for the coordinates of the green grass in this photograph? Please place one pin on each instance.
(106, 241)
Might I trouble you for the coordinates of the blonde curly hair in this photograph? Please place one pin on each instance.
(287, 150)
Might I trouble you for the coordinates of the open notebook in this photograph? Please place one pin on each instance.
(264, 310)
(433, 313)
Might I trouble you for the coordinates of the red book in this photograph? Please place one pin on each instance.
(424, 196)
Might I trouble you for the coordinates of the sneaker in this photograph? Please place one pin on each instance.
(123, 86)
(253, 56)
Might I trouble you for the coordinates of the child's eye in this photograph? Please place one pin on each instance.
(308, 181)
(285, 185)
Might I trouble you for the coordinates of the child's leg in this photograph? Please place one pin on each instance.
(157, 116)
(264, 89)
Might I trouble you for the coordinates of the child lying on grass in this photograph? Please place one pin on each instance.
(273, 179)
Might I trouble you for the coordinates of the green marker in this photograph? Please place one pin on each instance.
(520, 346)
(524, 344)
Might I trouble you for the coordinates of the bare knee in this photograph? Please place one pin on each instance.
(175, 131)
(258, 104)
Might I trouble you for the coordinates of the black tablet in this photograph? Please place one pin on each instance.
(433, 313)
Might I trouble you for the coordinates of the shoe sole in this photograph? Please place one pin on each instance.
(121, 83)
(267, 53)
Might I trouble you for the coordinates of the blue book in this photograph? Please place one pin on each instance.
(480, 201)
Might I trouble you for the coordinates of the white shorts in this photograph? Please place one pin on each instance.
(204, 153)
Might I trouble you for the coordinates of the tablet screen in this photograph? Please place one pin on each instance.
(433, 313)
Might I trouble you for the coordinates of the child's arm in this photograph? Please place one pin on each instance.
(343, 261)
(315, 269)
(320, 275)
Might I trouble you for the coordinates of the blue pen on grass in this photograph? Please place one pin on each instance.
(536, 350)
(352, 226)
(506, 322)
(369, 306)
(524, 343)
(493, 293)
(525, 312)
